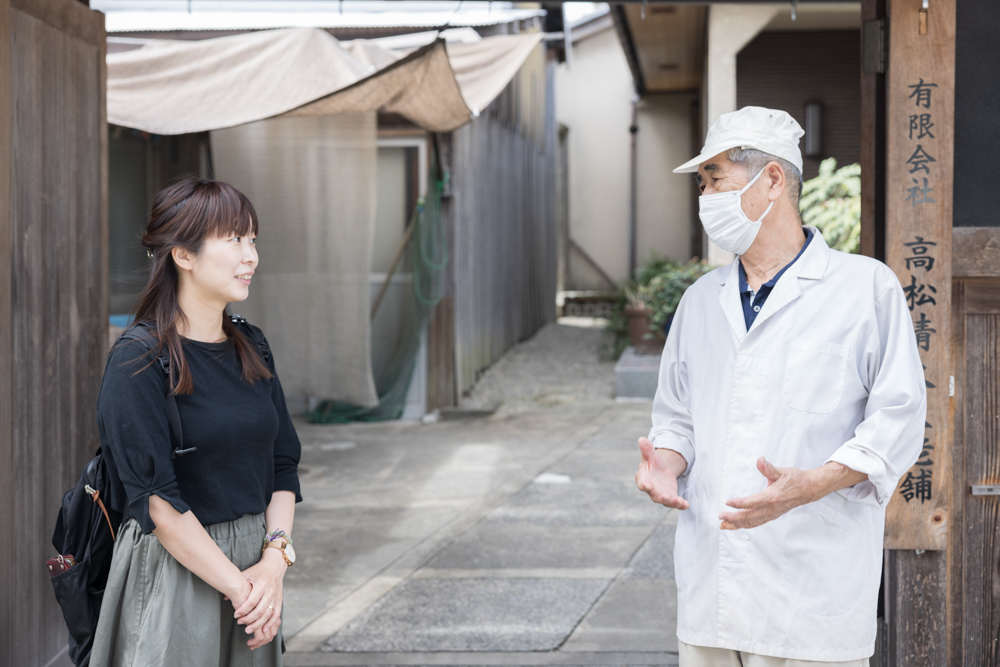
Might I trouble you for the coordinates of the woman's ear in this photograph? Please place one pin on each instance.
(182, 258)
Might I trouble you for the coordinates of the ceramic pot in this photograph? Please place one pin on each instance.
(643, 337)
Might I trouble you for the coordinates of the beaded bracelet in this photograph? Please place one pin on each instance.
(272, 536)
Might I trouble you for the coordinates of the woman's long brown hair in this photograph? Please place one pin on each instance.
(184, 215)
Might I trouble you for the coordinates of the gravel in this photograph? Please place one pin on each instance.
(560, 365)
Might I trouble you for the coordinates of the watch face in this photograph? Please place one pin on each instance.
(290, 552)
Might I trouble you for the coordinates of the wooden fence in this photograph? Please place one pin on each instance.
(53, 296)
(503, 222)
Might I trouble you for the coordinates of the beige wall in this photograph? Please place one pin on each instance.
(730, 28)
(665, 199)
(594, 100)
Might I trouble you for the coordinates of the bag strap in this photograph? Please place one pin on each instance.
(95, 496)
(163, 361)
(252, 334)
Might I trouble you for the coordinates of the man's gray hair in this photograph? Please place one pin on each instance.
(753, 160)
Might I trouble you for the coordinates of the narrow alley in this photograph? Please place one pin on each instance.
(517, 538)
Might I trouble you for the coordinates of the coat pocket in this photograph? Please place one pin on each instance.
(814, 375)
(837, 577)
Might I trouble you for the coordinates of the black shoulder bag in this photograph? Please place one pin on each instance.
(86, 528)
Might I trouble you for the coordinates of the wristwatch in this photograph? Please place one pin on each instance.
(287, 551)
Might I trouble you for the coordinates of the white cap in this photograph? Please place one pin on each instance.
(767, 130)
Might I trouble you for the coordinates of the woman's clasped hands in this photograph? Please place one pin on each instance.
(260, 609)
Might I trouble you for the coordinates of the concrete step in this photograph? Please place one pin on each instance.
(636, 375)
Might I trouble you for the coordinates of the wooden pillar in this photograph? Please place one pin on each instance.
(8, 574)
(873, 42)
(441, 383)
(53, 296)
(919, 162)
(918, 235)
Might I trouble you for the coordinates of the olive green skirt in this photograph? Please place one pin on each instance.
(156, 613)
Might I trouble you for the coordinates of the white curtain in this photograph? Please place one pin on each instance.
(312, 182)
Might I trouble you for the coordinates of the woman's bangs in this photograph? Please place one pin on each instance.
(232, 215)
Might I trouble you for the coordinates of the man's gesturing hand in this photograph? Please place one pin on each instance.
(787, 488)
(658, 472)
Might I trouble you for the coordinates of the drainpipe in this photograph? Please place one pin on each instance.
(633, 223)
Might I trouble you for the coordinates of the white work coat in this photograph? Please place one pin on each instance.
(829, 371)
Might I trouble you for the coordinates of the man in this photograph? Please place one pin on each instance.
(791, 398)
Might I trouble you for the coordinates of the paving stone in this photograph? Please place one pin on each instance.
(597, 464)
(309, 600)
(518, 546)
(633, 615)
(583, 502)
(559, 365)
(622, 433)
(471, 615)
(655, 558)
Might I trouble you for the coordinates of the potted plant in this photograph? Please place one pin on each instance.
(646, 304)
(665, 290)
(641, 332)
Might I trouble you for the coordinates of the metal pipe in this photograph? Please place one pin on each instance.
(633, 223)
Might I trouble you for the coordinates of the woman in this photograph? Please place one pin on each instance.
(194, 580)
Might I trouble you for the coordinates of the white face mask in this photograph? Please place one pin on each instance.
(725, 222)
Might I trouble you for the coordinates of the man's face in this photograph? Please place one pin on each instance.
(719, 174)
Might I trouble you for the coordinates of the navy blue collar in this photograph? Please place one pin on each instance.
(745, 287)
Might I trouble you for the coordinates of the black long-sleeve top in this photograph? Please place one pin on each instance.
(247, 445)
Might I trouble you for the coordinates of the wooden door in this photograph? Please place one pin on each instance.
(974, 549)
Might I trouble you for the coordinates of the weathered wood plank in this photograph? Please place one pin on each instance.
(27, 128)
(955, 552)
(920, 90)
(501, 227)
(74, 19)
(975, 251)
(441, 328)
(914, 612)
(505, 217)
(980, 620)
(982, 296)
(53, 310)
(441, 356)
(8, 574)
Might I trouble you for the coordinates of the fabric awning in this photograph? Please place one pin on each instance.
(177, 87)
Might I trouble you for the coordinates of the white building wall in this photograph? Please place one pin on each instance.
(666, 201)
(594, 100)
(730, 28)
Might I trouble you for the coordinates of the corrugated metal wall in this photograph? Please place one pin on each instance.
(53, 296)
(785, 70)
(503, 210)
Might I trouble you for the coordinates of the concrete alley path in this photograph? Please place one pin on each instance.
(515, 539)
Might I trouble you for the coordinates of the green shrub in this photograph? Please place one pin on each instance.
(832, 203)
(659, 284)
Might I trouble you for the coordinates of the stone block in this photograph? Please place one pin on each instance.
(636, 375)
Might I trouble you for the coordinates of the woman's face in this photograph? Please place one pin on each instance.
(224, 267)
